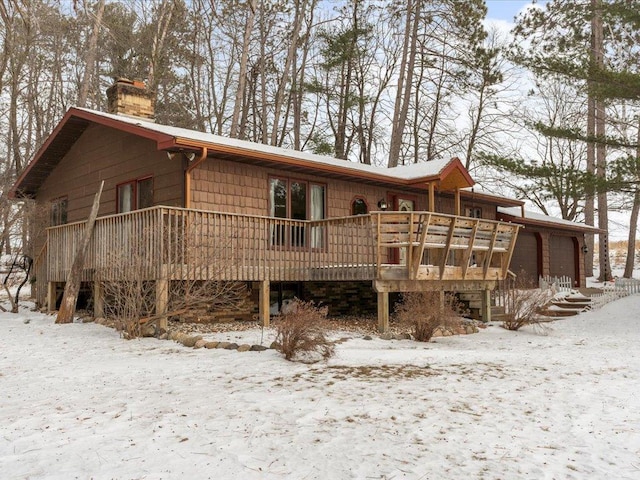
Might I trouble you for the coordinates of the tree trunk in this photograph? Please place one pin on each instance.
(164, 22)
(601, 159)
(633, 223)
(90, 58)
(71, 289)
(300, 7)
(403, 93)
(631, 242)
(242, 75)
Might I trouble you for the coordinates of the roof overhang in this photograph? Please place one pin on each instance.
(551, 223)
(487, 198)
(58, 144)
(454, 176)
(451, 176)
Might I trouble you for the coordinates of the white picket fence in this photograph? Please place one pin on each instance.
(622, 287)
(560, 284)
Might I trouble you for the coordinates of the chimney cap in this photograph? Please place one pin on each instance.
(134, 83)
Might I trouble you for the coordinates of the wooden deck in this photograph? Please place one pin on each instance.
(396, 251)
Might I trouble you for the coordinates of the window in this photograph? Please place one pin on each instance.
(59, 211)
(135, 194)
(473, 212)
(359, 206)
(296, 200)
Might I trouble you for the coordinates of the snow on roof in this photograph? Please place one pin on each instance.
(404, 172)
(540, 217)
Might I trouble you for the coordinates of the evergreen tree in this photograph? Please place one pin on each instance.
(577, 41)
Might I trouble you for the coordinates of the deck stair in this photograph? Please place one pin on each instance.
(473, 303)
(566, 306)
(498, 313)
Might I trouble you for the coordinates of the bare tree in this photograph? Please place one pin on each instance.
(405, 79)
(91, 55)
(242, 74)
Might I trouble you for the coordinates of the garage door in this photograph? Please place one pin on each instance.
(525, 256)
(562, 256)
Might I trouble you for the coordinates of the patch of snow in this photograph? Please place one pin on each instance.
(80, 402)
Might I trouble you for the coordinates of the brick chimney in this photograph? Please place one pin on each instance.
(130, 98)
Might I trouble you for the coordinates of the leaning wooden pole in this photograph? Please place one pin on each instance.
(72, 287)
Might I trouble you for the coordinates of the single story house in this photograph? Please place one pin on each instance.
(199, 206)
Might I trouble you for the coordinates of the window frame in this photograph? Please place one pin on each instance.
(56, 214)
(364, 201)
(135, 184)
(473, 211)
(307, 236)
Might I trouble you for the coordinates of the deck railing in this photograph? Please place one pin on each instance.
(437, 246)
(165, 242)
(176, 243)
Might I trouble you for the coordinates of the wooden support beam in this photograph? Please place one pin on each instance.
(485, 312)
(447, 248)
(432, 197)
(410, 242)
(492, 244)
(98, 299)
(52, 292)
(469, 251)
(162, 302)
(378, 248)
(425, 220)
(457, 201)
(433, 285)
(264, 302)
(512, 246)
(383, 312)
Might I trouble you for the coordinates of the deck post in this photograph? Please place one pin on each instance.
(383, 312)
(263, 302)
(51, 296)
(486, 305)
(98, 299)
(162, 301)
(432, 197)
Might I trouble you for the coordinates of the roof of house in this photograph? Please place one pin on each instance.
(445, 174)
(538, 219)
(485, 197)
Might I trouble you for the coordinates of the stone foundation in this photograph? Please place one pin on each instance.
(342, 298)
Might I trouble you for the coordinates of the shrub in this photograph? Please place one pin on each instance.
(425, 312)
(130, 299)
(300, 332)
(523, 302)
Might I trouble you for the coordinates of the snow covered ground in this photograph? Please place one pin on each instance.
(76, 401)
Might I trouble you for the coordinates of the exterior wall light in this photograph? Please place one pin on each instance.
(382, 204)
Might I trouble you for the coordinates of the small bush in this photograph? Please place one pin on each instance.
(425, 312)
(523, 301)
(300, 332)
(523, 306)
